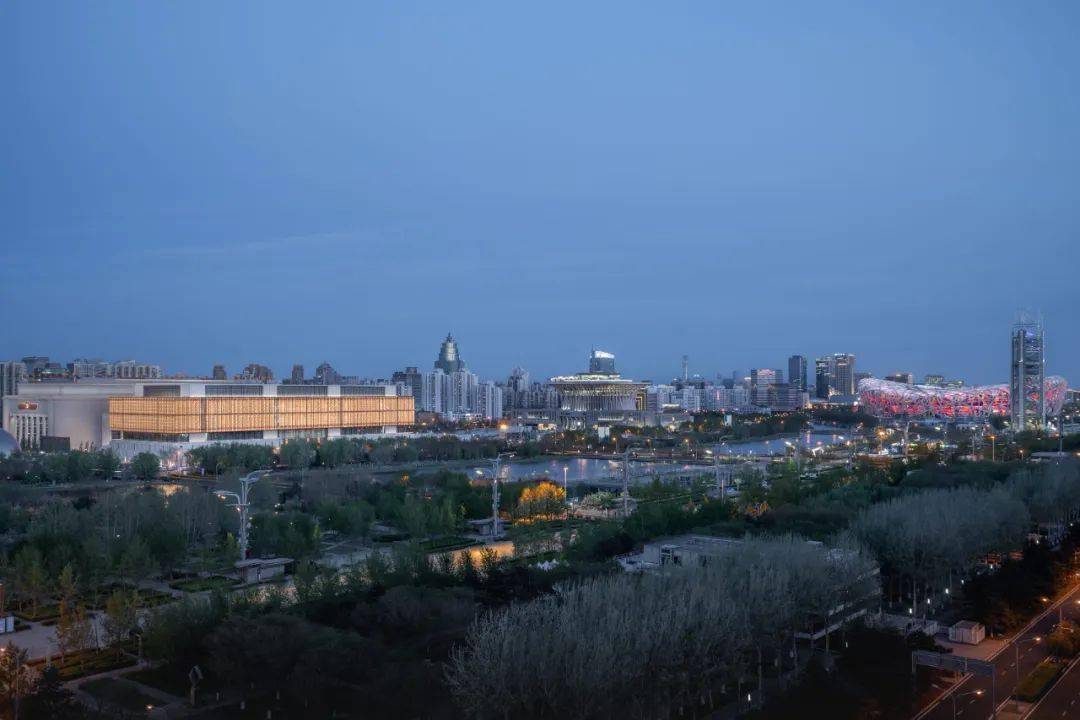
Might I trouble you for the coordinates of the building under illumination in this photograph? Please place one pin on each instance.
(601, 389)
(1027, 386)
(886, 399)
(171, 416)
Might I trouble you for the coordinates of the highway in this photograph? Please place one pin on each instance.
(972, 706)
(1063, 700)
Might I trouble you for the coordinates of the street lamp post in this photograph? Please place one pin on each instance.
(957, 696)
(795, 452)
(566, 491)
(721, 485)
(242, 504)
(1016, 652)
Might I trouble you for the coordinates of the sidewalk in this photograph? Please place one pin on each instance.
(986, 650)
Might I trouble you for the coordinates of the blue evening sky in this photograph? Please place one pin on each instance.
(198, 182)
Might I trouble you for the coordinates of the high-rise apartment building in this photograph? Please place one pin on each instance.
(325, 374)
(219, 373)
(257, 372)
(488, 400)
(86, 368)
(413, 381)
(12, 372)
(131, 370)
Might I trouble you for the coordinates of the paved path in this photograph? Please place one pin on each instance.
(970, 706)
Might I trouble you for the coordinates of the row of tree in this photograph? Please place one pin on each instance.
(646, 645)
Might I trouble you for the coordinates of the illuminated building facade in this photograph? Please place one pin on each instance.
(885, 399)
(192, 413)
(1026, 373)
(601, 389)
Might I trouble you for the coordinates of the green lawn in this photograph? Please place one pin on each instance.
(202, 584)
(1032, 687)
(120, 694)
(88, 662)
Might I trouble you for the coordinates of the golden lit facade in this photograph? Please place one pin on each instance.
(196, 415)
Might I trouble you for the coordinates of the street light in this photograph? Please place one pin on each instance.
(1016, 652)
(565, 491)
(956, 696)
(795, 452)
(241, 503)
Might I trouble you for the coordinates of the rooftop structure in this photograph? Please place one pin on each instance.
(449, 359)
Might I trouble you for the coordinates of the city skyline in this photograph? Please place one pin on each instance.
(489, 369)
(198, 197)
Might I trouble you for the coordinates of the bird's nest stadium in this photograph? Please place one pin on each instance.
(886, 399)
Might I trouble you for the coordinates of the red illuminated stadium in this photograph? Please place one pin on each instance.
(886, 399)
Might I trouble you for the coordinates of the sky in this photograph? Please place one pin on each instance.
(203, 182)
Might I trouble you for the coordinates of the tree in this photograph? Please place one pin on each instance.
(146, 466)
(14, 678)
(30, 575)
(74, 631)
(121, 616)
(107, 463)
(50, 700)
(136, 562)
(543, 500)
(1064, 642)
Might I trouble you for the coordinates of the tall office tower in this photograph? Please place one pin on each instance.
(601, 363)
(11, 372)
(449, 359)
(296, 377)
(842, 372)
(822, 378)
(219, 373)
(796, 370)
(413, 381)
(325, 374)
(1026, 378)
(761, 381)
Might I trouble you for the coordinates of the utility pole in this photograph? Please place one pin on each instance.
(496, 527)
(720, 484)
(242, 504)
(626, 483)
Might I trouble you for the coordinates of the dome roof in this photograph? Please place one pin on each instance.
(8, 443)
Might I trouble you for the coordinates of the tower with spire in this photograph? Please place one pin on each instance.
(449, 360)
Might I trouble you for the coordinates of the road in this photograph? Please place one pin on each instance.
(970, 706)
(1063, 700)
